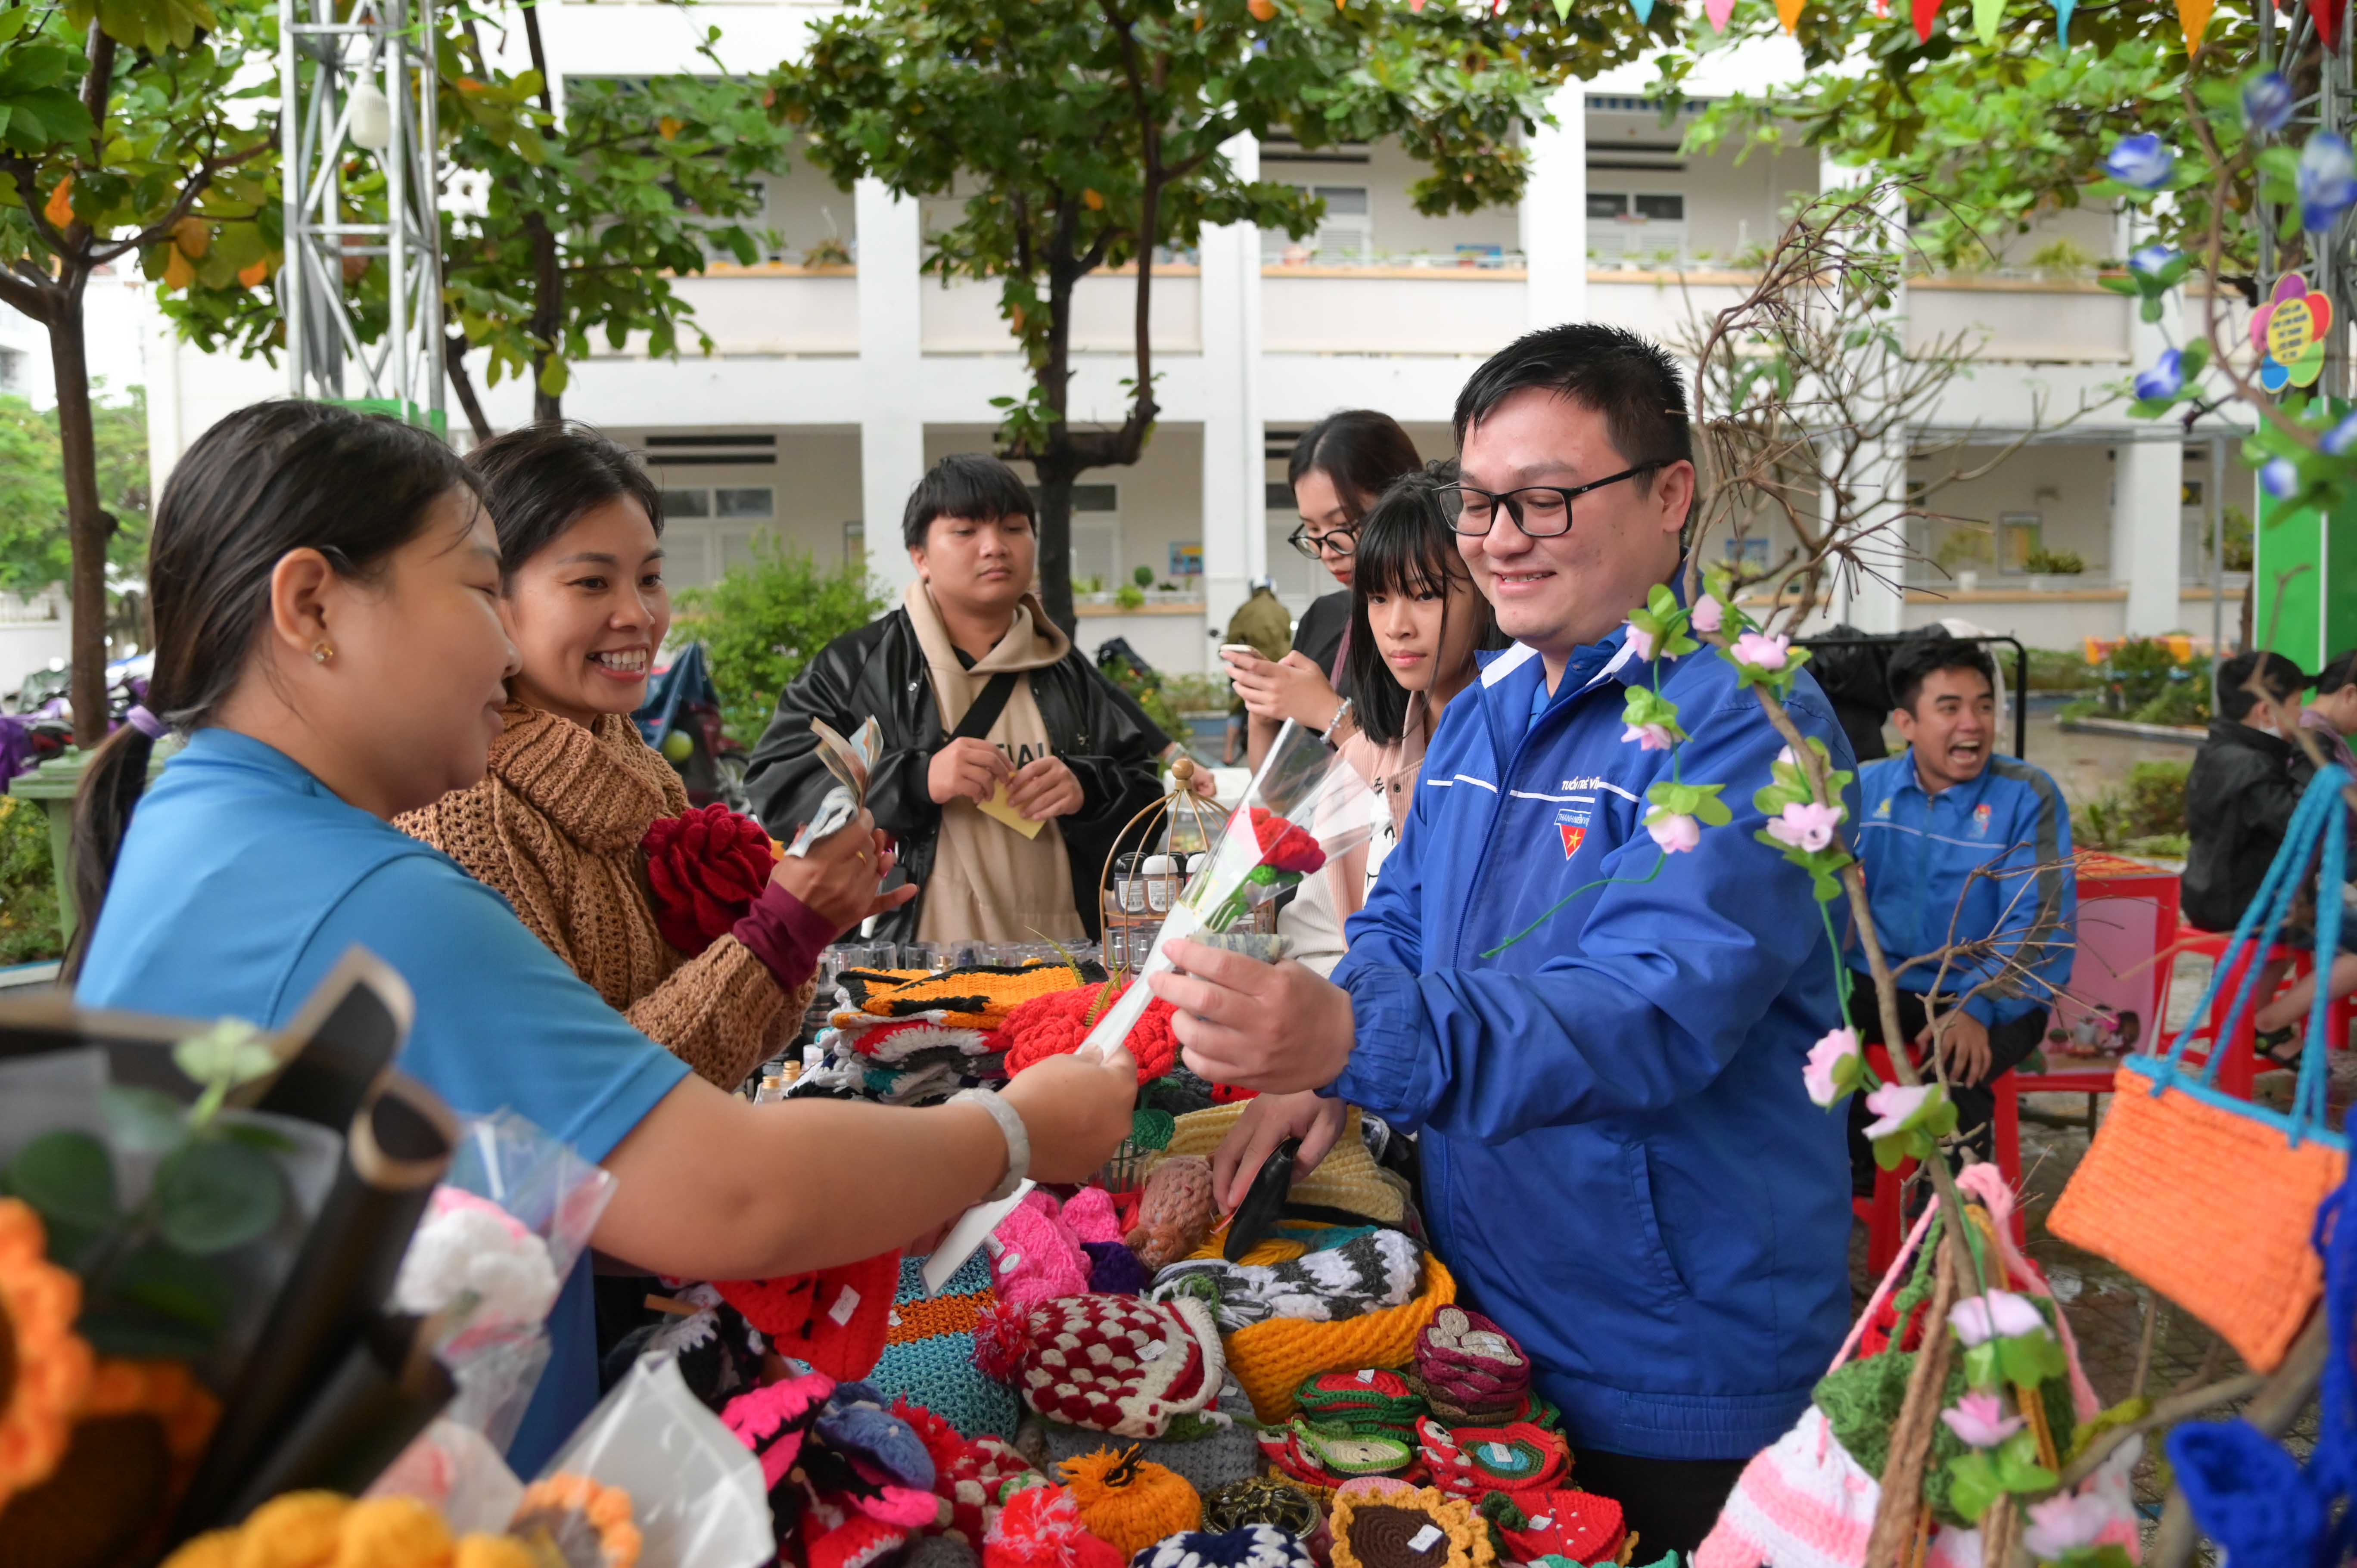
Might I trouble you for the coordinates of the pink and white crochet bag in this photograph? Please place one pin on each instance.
(1119, 1365)
(1803, 1502)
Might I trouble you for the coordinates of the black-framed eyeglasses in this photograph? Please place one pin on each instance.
(1341, 540)
(1542, 511)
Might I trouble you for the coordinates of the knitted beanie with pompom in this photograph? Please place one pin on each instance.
(1040, 1527)
(1248, 1546)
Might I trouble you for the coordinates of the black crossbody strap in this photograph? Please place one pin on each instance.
(988, 704)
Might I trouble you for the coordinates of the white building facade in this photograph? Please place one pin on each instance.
(832, 386)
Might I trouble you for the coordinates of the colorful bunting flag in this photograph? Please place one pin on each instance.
(2193, 15)
(1718, 11)
(2328, 20)
(2063, 9)
(1645, 10)
(1563, 10)
(1788, 13)
(1986, 14)
(1926, 11)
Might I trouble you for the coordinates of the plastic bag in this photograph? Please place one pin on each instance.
(454, 1469)
(504, 1229)
(696, 1493)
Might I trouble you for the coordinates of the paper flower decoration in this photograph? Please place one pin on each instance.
(2165, 379)
(2288, 332)
(2266, 103)
(2142, 161)
(2327, 181)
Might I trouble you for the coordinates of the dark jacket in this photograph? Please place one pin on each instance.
(879, 670)
(2239, 798)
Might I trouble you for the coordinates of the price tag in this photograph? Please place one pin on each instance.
(844, 1305)
(1425, 1539)
(1367, 1376)
(1153, 1350)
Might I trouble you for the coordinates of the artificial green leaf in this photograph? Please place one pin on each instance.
(1982, 1370)
(1972, 1485)
(136, 1334)
(143, 1120)
(67, 1176)
(167, 1280)
(215, 1194)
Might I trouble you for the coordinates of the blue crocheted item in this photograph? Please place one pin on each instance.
(857, 1423)
(936, 1371)
(1248, 1546)
(1113, 1268)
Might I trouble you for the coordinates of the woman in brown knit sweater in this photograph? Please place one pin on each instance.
(556, 824)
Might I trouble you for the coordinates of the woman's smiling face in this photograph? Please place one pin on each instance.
(588, 611)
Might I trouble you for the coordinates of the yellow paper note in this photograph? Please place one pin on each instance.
(997, 810)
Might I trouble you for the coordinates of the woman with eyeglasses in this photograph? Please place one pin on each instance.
(1340, 465)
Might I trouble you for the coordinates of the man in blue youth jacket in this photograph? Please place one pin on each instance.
(1929, 819)
(1598, 1042)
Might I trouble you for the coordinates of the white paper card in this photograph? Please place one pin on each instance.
(845, 1303)
(1425, 1539)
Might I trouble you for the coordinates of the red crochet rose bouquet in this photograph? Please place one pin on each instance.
(704, 869)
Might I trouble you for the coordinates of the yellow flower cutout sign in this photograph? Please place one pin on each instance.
(2288, 332)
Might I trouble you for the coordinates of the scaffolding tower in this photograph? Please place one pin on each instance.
(356, 86)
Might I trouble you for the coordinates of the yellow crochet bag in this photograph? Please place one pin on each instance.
(1275, 1358)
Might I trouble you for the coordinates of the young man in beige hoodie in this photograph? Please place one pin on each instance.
(1008, 765)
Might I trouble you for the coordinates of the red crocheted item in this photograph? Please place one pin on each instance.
(1002, 1337)
(1055, 1024)
(704, 869)
(1584, 1526)
(1285, 846)
(809, 1317)
(968, 1473)
(1040, 1528)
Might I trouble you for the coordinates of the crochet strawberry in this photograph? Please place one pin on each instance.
(1055, 1024)
(704, 869)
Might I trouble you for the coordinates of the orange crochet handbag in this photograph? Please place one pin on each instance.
(2207, 1198)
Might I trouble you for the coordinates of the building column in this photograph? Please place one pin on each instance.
(1878, 487)
(2147, 484)
(1235, 468)
(892, 431)
(1554, 213)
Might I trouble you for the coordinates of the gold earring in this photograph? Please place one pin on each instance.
(322, 651)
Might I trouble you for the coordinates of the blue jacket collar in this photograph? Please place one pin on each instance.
(1968, 792)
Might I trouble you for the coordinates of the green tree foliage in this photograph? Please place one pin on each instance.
(128, 132)
(28, 893)
(1087, 133)
(34, 548)
(1995, 134)
(563, 224)
(760, 624)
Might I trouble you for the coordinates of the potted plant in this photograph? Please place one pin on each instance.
(2046, 563)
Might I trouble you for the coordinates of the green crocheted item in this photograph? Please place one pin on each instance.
(1151, 1129)
(1340, 1401)
(1354, 1453)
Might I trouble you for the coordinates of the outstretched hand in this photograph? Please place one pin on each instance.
(1278, 1027)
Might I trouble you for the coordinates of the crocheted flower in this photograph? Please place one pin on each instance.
(1994, 1315)
(1825, 1074)
(45, 1367)
(138, 1431)
(1979, 1421)
(1284, 846)
(469, 1245)
(1055, 1024)
(704, 869)
(1403, 1531)
(577, 1515)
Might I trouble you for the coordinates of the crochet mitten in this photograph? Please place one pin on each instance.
(1119, 1365)
(705, 867)
(1175, 1211)
(1040, 1527)
(834, 1319)
(1129, 1501)
(1038, 1258)
(928, 1349)
(1246, 1546)
(1375, 1271)
(1055, 1025)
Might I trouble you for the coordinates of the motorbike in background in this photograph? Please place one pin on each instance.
(682, 719)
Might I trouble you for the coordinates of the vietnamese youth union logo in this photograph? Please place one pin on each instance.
(1981, 821)
(1571, 838)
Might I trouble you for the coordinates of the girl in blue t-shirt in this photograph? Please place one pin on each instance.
(325, 590)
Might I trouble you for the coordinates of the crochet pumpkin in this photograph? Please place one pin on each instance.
(1055, 1025)
(1130, 1501)
(45, 1367)
(704, 869)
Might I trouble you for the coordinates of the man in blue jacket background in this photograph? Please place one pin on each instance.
(1598, 1042)
(1929, 819)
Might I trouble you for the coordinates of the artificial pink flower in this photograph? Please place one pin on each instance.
(1765, 652)
(1824, 1057)
(2062, 1525)
(1994, 1315)
(1804, 824)
(1641, 639)
(1893, 1103)
(1649, 738)
(1675, 832)
(1784, 755)
(1709, 615)
(1979, 1420)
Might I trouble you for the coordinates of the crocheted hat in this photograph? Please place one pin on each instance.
(1175, 1210)
(1040, 1527)
(1127, 1500)
(1370, 1271)
(969, 1474)
(1210, 1449)
(980, 996)
(1246, 1546)
(1271, 1359)
(1263, 1499)
(1579, 1526)
(1422, 1529)
(1120, 1365)
(1055, 1024)
(899, 1041)
(1347, 1178)
(1037, 1258)
(927, 1354)
(834, 1319)
(1474, 1461)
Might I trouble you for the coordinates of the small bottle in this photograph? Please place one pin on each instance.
(1129, 885)
(1161, 883)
